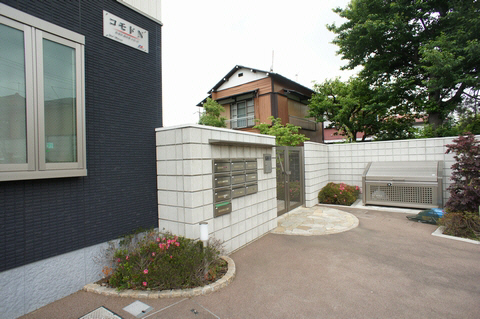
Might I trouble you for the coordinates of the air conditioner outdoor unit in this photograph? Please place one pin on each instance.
(403, 184)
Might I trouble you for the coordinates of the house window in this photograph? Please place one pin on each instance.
(41, 99)
(243, 114)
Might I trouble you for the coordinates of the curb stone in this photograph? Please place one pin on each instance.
(439, 233)
(174, 293)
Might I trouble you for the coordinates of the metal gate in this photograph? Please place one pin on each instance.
(290, 178)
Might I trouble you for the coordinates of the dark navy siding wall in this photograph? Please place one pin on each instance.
(45, 218)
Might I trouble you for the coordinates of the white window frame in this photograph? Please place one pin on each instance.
(35, 30)
(249, 122)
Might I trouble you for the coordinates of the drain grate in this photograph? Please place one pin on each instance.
(101, 313)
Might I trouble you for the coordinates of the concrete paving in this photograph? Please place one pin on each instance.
(387, 267)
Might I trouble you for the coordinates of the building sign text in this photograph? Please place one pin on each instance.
(124, 32)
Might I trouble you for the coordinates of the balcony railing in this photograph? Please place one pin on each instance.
(241, 122)
(304, 123)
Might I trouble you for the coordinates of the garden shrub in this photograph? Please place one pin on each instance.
(465, 189)
(338, 194)
(462, 218)
(464, 224)
(159, 261)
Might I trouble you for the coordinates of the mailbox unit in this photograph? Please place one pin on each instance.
(232, 178)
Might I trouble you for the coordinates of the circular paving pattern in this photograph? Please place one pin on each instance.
(315, 221)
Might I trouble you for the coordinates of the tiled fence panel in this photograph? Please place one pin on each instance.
(346, 162)
(184, 179)
(316, 170)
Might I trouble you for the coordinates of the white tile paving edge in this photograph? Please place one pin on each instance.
(174, 293)
(439, 233)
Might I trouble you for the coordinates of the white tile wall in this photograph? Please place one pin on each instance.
(316, 170)
(184, 169)
(346, 163)
(184, 180)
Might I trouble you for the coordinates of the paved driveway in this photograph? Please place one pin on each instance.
(387, 267)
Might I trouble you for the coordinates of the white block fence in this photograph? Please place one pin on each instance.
(185, 190)
(345, 163)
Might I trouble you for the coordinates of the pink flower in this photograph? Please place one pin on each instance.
(127, 258)
(158, 239)
(357, 188)
(118, 260)
(145, 271)
(145, 283)
(335, 195)
(177, 244)
(340, 192)
(153, 254)
(171, 256)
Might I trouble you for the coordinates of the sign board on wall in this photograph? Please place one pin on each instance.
(124, 32)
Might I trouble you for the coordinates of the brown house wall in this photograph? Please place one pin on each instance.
(263, 109)
(282, 108)
(263, 86)
(226, 114)
(297, 109)
(277, 87)
(280, 85)
(314, 136)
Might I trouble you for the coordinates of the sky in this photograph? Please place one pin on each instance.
(203, 40)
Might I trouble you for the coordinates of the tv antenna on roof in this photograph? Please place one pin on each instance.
(271, 68)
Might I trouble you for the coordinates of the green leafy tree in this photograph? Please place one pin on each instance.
(397, 128)
(448, 128)
(211, 116)
(355, 106)
(286, 135)
(425, 52)
(468, 113)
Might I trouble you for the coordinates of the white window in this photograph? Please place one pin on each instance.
(42, 132)
(243, 114)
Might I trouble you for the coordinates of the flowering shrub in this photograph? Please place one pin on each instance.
(338, 194)
(163, 261)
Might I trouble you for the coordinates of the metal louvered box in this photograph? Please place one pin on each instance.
(403, 184)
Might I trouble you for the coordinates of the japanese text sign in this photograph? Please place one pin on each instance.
(124, 32)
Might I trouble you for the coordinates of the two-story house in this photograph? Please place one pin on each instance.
(249, 94)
